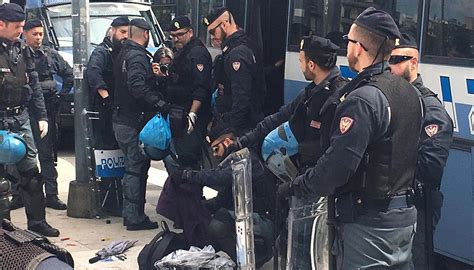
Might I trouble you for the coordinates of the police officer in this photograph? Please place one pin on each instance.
(48, 62)
(318, 63)
(100, 77)
(20, 86)
(370, 164)
(221, 229)
(245, 82)
(134, 95)
(435, 140)
(189, 86)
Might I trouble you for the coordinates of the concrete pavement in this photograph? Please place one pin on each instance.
(84, 237)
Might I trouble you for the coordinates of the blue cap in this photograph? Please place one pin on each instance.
(378, 22)
(11, 13)
(317, 44)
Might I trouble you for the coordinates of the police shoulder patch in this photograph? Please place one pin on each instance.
(236, 66)
(200, 67)
(345, 124)
(431, 130)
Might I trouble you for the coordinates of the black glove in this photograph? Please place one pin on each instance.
(162, 107)
(179, 177)
(285, 190)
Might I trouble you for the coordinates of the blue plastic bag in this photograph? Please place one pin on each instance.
(157, 132)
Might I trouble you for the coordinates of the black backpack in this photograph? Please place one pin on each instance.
(162, 244)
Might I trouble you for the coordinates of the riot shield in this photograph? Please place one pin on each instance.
(241, 165)
(307, 246)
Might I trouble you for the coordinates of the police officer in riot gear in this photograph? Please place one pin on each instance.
(100, 77)
(244, 83)
(371, 160)
(20, 86)
(435, 140)
(48, 62)
(188, 86)
(135, 94)
(221, 229)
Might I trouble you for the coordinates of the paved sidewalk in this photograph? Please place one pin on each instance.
(84, 237)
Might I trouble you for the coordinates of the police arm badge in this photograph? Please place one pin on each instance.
(200, 67)
(236, 66)
(345, 124)
(431, 130)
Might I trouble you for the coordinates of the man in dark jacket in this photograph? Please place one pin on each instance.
(244, 83)
(435, 140)
(221, 229)
(134, 96)
(189, 86)
(48, 62)
(22, 95)
(100, 77)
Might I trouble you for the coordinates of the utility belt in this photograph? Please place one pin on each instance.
(350, 206)
(12, 111)
(48, 86)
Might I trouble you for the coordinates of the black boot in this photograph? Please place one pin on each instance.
(16, 202)
(146, 224)
(45, 229)
(52, 201)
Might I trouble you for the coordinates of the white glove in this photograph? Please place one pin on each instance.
(192, 117)
(43, 127)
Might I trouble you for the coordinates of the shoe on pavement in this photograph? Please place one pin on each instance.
(52, 201)
(16, 202)
(45, 229)
(146, 224)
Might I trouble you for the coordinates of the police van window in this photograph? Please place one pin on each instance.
(449, 37)
(332, 19)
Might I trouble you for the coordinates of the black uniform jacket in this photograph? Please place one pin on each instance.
(191, 77)
(135, 91)
(49, 62)
(435, 139)
(245, 81)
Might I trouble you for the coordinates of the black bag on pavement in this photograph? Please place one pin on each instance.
(162, 244)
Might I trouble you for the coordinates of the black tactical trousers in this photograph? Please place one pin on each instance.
(136, 174)
(30, 182)
(46, 146)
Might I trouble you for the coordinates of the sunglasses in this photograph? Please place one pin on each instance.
(347, 39)
(179, 35)
(397, 59)
(216, 147)
(213, 30)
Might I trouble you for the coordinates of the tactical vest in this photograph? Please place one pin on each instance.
(14, 90)
(20, 257)
(312, 123)
(388, 166)
(45, 67)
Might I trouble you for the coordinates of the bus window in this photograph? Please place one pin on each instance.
(449, 37)
(333, 19)
(205, 6)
